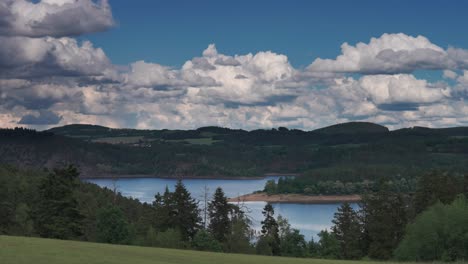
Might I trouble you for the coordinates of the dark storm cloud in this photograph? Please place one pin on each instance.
(45, 117)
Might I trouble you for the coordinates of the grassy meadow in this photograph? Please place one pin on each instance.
(20, 250)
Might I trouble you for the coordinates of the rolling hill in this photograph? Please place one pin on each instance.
(221, 152)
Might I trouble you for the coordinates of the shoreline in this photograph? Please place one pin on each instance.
(296, 198)
(136, 176)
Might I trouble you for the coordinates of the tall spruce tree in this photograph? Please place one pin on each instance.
(185, 214)
(385, 221)
(270, 230)
(436, 186)
(57, 214)
(218, 211)
(163, 210)
(347, 231)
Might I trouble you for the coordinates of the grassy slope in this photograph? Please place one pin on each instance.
(47, 251)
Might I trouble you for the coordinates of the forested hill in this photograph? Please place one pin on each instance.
(344, 151)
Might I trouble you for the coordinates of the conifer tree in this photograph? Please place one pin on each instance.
(385, 222)
(270, 230)
(57, 214)
(218, 210)
(347, 231)
(185, 214)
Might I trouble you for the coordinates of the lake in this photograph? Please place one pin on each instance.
(308, 218)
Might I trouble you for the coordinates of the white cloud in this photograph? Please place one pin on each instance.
(39, 57)
(401, 88)
(46, 77)
(55, 18)
(448, 74)
(390, 54)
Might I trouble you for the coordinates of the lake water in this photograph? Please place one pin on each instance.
(308, 218)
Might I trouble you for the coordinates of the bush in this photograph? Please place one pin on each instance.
(111, 226)
(439, 233)
(206, 242)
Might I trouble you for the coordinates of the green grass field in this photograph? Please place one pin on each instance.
(20, 250)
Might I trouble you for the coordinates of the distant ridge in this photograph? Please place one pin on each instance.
(224, 152)
(342, 128)
(352, 128)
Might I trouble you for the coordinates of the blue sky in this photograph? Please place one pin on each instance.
(240, 64)
(171, 32)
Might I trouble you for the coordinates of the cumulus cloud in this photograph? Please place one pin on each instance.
(263, 90)
(49, 78)
(390, 54)
(37, 57)
(56, 18)
(402, 88)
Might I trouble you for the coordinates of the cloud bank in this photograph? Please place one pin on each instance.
(48, 78)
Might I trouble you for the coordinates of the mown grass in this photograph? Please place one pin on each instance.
(20, 250)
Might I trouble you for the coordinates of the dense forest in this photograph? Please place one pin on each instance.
(352, 153)
(429, 224)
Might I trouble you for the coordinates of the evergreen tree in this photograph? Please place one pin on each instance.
(347, 231)
(163, 210)
(270, 230)
(436, 186)
(385, 222)
(185, 214)
(218, 210)
(57, 214)
(112, 226)
(312, 248)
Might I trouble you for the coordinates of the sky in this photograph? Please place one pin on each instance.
(240, 64)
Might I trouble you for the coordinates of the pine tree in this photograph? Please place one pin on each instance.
(433, 187)
(385, 222)
(270, 229)
(218, 211)
(185, 214)
(347, 231)
(57, 214)
(163, 210)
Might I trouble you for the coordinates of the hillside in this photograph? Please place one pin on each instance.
(352, 128)
(343, 152)
(19, 250)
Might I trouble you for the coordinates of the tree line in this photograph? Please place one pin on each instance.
(350, 153)
(428, 224)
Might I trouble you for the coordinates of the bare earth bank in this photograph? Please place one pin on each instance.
(297, 198)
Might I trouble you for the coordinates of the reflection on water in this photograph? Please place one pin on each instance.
(308, 218)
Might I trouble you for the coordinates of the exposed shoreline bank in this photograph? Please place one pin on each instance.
(136, 176)
(296, 198)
